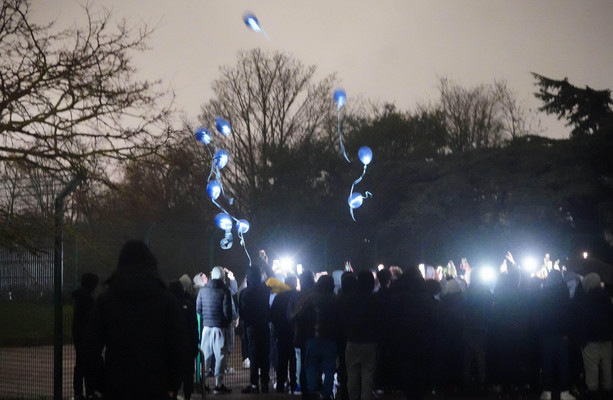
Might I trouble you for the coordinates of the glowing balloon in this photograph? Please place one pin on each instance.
(223, 221)
(365, 155)
(252, 22)
(221, 158)
(340, 97)
(223, 126)
(355, 200)
(203, 135)
(242, 226)
(213, 190)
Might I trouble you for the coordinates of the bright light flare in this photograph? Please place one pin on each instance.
(585, 255)
(487, 274)
(530, 264)
(380, 267)
(286, 264)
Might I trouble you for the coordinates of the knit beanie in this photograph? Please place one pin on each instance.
(218, 273)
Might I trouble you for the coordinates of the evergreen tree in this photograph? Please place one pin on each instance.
(587, 110)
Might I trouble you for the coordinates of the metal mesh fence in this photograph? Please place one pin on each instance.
(26, 317)
(26, 372)
(27, 331)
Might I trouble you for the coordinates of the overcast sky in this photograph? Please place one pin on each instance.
(385, 50)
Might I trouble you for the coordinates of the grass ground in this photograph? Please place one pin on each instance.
(31, 324)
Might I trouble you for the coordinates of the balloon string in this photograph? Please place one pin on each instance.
(225, 211)
(240, 234)
(217, 173)
(215, 170)
(242, 241)
(359, 179)
(366, 194)
(340, 136)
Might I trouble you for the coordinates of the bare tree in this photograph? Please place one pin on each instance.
(70, 96)
(482, 116)
(272, 102)
(517, 120)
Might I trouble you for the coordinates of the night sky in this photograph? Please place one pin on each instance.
(390, 51)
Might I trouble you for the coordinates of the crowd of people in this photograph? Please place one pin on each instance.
(352, 335)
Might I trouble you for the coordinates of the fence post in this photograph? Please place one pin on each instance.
(58, 326)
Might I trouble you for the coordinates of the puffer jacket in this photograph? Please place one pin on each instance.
(214, 304)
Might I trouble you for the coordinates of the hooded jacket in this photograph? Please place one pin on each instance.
(139, 323)
(253, 305)
(319, 311)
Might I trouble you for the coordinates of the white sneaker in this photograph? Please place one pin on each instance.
(246, 363)
(546, 395)
(565, 395)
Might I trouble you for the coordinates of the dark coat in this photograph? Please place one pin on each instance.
(554, 314)
(279, 314)
(214, 304)
(139, 323)
(361, 316)
(83, 305)
(253, 304)
(595, 312)
(190, 318)
(299, 327)
(319, 312)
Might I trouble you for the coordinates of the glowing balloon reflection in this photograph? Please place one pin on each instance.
(340, 97)
(223, 126)
(221, 158)
(223, 221)
(252, 23)
(213, 190)
(203, 135)
(355, 200)
(365, 155)
(242, 226)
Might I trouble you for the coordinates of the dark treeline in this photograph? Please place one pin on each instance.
(467, 176)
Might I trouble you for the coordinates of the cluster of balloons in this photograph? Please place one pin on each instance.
(214, 188)
(356, 199)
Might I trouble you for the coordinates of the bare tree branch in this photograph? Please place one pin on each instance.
(70, 96)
